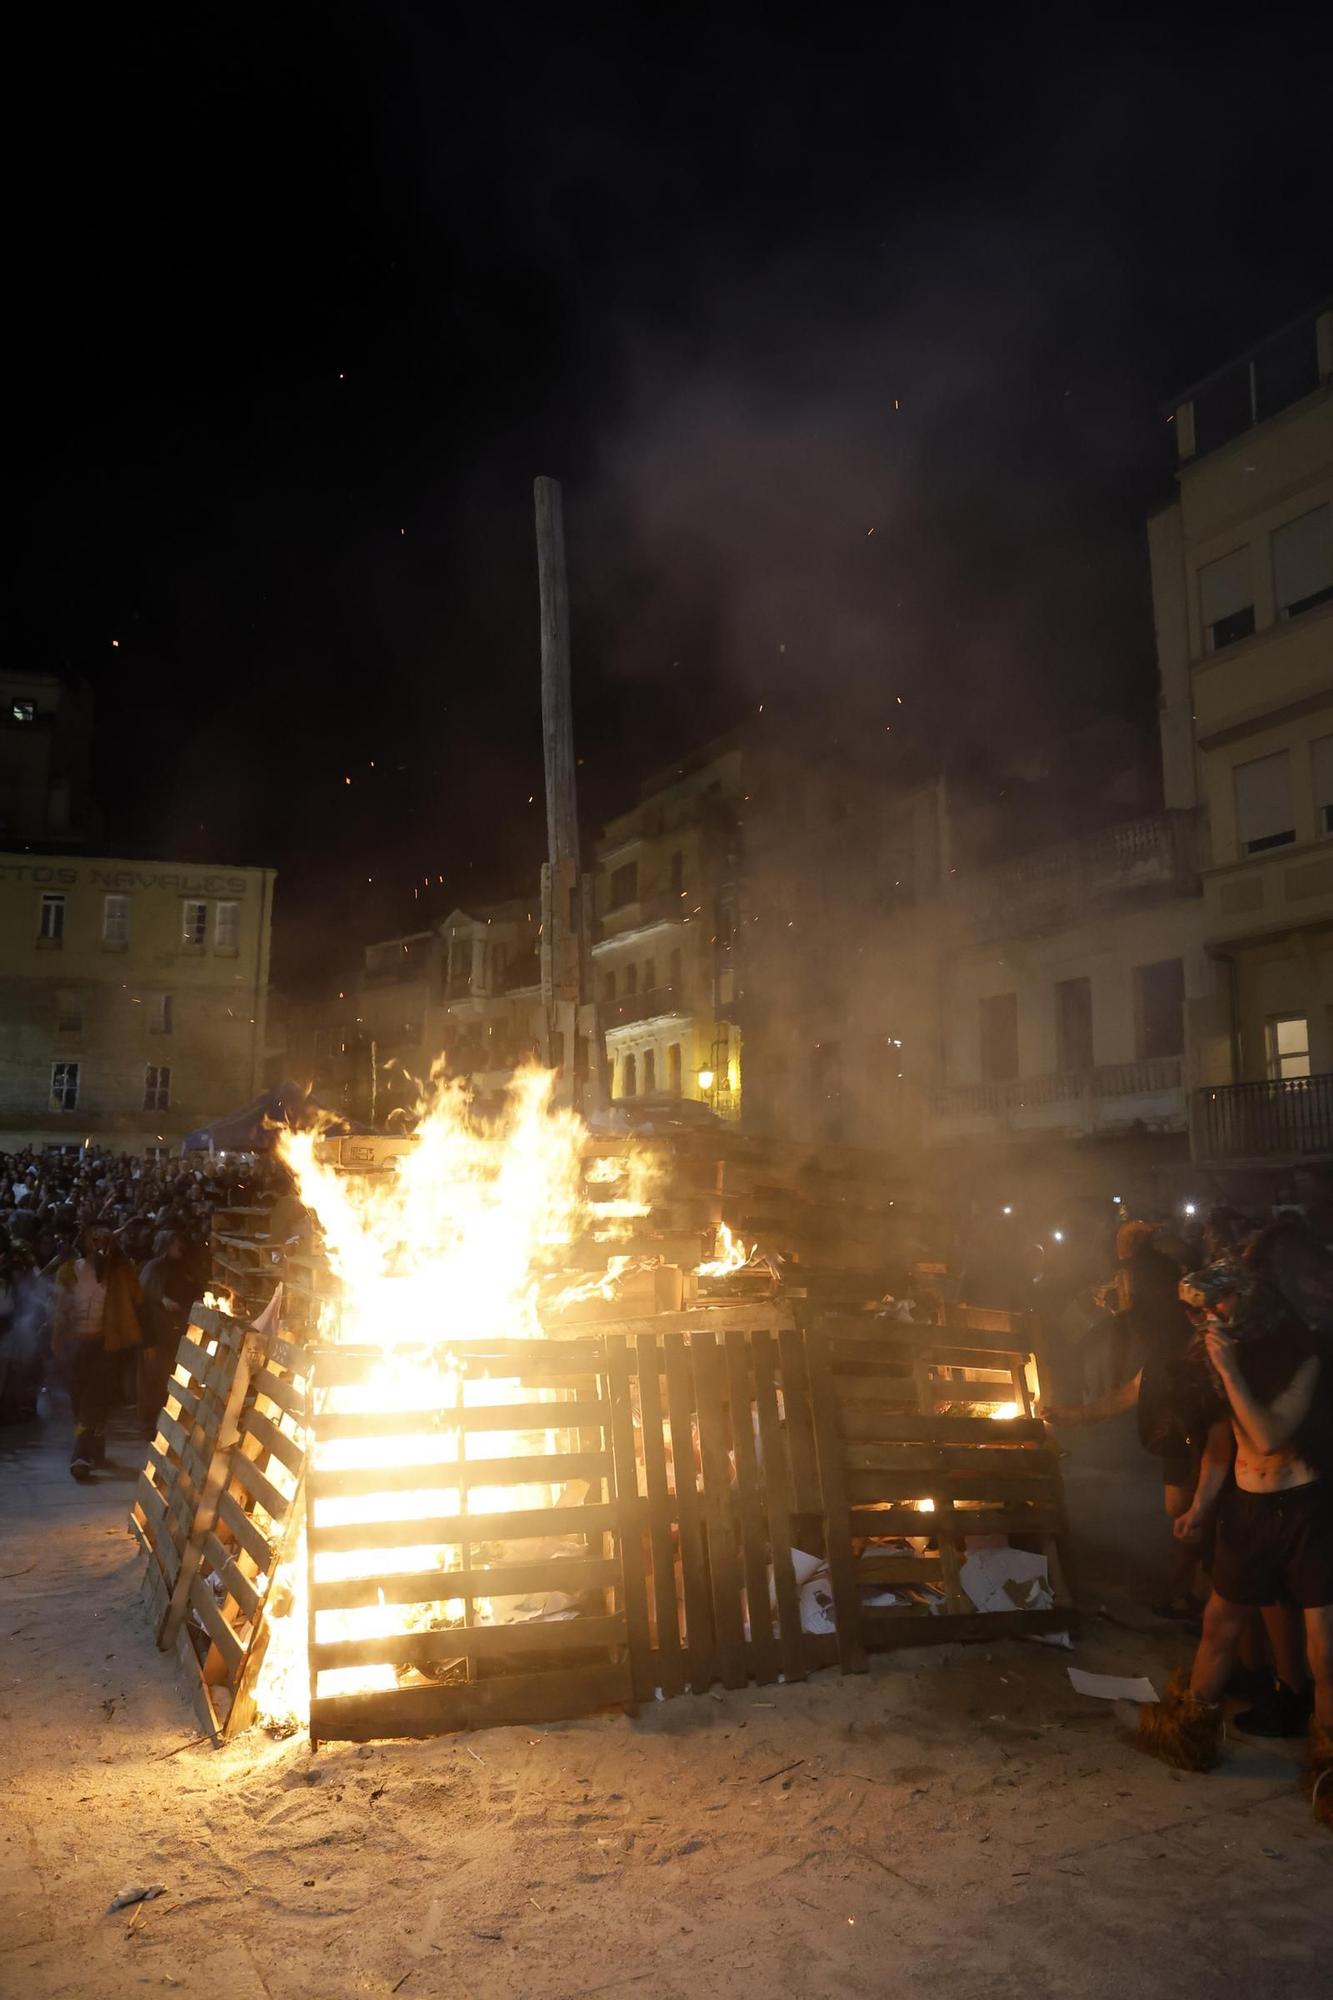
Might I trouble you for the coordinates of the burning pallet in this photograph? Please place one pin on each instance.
(518, 1531)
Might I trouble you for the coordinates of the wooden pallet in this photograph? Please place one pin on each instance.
(199, 1402)
(507, 1413)
(890, 1437)
(245, 1529)
(705, 1438)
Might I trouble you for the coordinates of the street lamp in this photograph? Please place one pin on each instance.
(706, 1079)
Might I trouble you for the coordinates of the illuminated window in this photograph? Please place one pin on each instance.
(1288, 1038)
(157, 1087)
(227, 927)
(51, 925)
(64, 1086)
(194, 924)
(115, 920)
(24, 711)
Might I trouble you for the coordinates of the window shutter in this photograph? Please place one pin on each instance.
(1224, 586)
(1303, 559)
(1263, 801)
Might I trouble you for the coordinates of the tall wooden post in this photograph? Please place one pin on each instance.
(573, 1038)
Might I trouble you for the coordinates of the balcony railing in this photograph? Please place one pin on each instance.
(642, 911)
(1027, 1093)
(1058, 882)
(1289, 1118)
(658, 1000)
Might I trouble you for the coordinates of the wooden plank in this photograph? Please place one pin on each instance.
(528, 1524)
(861, 1424)
(586, 1413)
(563, 1574)
(670, 1664)
(754, 1540)
(892, 1486)
(541, 1469)
(280, 1389)
(243, 1531)
(219, 1631)
(719, 1509)
(832, 1480)
(263, 1429)
(625, 1488)
(777, 1489)
(699, 1636)
(233, 1579)
(428, 1711)
(877, 1521)
(1001, 1466)
(147, 1497)
(806, 1495)
(342, 1367)
(242, 1471)
(471, 1642)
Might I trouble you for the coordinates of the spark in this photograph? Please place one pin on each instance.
(115, 642)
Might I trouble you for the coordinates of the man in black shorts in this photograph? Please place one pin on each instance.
(1274, 1537)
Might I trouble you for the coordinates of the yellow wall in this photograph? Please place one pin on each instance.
(214, 1047)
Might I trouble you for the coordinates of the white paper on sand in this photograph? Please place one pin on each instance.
(1113, 1687)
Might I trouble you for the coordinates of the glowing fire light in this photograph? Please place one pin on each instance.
(450, 1243)
(729, 1255)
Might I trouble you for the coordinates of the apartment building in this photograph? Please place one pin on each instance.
(663, 960)
(1242, 571)
(133, 997)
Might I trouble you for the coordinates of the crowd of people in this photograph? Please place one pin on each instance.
(101, 1257)
(1229, 1366)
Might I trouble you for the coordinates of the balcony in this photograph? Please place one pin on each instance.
(658, 1003)
(1108, 1096)
(1284, 1119)
(641, 914)
(1060, 884)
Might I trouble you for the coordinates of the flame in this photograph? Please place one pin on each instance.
(452, 1242)
(729, 1256)
(1003, 1413)
(220, 1302)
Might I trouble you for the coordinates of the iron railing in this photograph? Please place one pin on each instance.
(1287, 1117)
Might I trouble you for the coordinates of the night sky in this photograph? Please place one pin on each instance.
(305, 298)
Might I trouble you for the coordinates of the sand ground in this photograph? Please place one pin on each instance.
(957, 1822)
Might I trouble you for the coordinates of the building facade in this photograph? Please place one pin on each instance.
(46, 733)
(133, 997)
(1242, 570)
(467, 990)
(664, 961)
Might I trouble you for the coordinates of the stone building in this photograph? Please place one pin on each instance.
(133, 997)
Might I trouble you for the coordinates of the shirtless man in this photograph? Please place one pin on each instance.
(1274, 1533)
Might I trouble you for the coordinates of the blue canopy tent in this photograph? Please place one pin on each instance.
(255, 1128)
